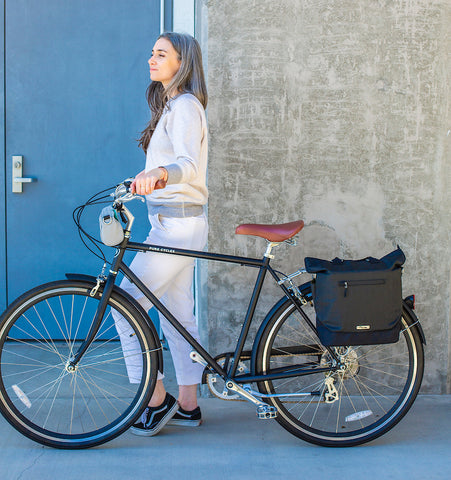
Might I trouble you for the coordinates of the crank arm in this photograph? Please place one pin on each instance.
(243, 392)
(264, 411)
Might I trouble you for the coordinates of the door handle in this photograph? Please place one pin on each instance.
(24, 180)
(18, 180)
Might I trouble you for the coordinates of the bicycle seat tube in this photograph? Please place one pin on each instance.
(249, 316)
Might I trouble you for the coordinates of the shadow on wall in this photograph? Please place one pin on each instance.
(351, 221)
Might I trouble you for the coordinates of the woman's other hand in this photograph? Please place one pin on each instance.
(146, 182)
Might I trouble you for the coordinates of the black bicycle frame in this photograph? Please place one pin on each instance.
(261, 264)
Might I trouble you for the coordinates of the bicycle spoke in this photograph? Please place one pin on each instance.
(107, 394)
(51, 345)
(103, 379)
(79, 323)
(49, 337)
(373, 397)
(367, 367)
(67, 335)
(32, 342)
(85, 403)
(74, 380)
(46, 393)
(93, 396)
(26, 357)
(42, 371)
(23, 372)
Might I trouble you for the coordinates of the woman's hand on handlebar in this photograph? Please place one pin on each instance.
(146, 182)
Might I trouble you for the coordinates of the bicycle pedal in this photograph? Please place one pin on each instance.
(265, 412)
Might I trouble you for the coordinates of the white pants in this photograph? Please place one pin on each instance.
(170, 279)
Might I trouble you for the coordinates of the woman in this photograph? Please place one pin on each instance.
(174, 182)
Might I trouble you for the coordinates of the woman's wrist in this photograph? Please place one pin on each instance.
(164, 173)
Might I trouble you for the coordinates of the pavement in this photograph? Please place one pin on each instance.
(233, 444)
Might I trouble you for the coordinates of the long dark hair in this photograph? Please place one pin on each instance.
(188, 79)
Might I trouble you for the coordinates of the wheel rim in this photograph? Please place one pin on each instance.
(42, 395)
(364, 398)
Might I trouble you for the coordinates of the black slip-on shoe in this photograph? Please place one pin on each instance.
(154, 419)
(187, 418)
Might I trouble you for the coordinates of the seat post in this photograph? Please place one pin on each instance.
(270, 246)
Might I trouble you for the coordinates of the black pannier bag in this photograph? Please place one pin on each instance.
(357, 302)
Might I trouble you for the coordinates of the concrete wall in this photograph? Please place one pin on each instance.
(337, 113)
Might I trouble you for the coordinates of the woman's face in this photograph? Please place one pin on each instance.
(164, 62)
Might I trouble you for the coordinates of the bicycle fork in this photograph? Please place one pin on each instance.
(95, 325)
(106, 293)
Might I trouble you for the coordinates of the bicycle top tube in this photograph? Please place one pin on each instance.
(143, 247)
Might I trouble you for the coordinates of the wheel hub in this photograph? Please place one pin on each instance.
(71, 368)
(349, 364)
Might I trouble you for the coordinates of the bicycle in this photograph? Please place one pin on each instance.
(71, 390)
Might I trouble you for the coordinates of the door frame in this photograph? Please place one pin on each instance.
(3, 186)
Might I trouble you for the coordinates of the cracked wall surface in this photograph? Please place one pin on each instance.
(337, 113)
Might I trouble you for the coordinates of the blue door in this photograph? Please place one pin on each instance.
(75, 78)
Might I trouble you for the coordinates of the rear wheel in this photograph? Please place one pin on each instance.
(46, 400)
(374, 389)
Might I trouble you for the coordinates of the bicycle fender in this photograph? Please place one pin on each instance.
(91, 279)
(416, 323)
(81, 276)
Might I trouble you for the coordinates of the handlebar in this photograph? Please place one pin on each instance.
(122, 194)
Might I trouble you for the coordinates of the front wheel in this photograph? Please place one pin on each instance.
(47, 400)
(346, 407)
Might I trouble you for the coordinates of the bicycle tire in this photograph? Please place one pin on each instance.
(360, 403)
(46, 402)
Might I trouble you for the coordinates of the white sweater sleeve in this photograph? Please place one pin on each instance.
(185, 131)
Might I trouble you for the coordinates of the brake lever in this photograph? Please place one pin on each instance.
(122, 193)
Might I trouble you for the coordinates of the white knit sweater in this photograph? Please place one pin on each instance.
(179, 144)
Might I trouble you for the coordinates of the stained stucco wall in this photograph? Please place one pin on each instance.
(337, 113)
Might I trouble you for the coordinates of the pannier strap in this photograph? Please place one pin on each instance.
(391, 261)
(273, 233)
